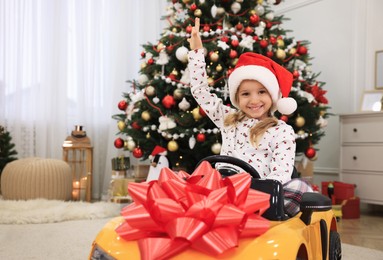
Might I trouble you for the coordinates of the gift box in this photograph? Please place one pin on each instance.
(119, 187)
(140, 171)
(342, 191)
(350, 208)
(120, 163)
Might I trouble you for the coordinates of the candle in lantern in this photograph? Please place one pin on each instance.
(76, 184)
(75, 194)
(83, 182)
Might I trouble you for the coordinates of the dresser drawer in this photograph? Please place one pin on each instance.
(368, 186)
(362, 128)
(365, 158)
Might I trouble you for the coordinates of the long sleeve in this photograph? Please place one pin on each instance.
(210, 103)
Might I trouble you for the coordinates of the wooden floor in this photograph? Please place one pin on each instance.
(366, 231)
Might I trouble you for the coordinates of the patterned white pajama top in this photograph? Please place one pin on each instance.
(274, 156)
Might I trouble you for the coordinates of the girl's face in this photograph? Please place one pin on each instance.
(254, 99)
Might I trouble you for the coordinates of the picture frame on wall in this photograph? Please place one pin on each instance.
(372, 100)
(379, 69)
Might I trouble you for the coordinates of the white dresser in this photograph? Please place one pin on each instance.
(361, 154)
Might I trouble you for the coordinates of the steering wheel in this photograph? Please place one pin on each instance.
(213, 159)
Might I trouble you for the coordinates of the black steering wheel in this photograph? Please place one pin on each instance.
(213, 159)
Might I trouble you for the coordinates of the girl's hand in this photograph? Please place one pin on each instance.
(195, 39)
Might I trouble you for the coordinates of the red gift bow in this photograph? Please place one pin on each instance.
(201, 210)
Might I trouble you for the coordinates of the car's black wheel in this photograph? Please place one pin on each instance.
(335, 249)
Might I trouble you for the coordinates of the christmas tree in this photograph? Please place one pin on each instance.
(159, 109)
(7, 151)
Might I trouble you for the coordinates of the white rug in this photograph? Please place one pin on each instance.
(50, 211)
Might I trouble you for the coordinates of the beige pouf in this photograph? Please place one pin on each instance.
(33, 178)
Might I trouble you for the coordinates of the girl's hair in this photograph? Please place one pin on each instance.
(257, 131)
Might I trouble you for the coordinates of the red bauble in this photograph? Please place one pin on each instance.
(302, 50)
(150, 61)
(119, 143)
(239, 26)
(310, 152)
(235, 43)
(206, 28)
(137, 152)
(284, 118)
(168, 101)
(273, 40)
(225, 39)
(193, 7)
(249, 30)
(229, 71)
(263, 43)
(201, 137)
(233, 54)
(268, 24)
(202, 112)
(143, 54)
(122, 105)
(189, 29)
(296, 74)
(269, 54)
(254, 19)
(135, 125)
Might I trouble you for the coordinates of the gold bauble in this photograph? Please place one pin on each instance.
(280, 43)
(218, 68)
(214, 57)
(210, 81)
(174, 72)
(178, 94)
(150, 91)
(300, 121)
(145, 115)
(174, 30)
(216, 148)
(322, 112)
(148, 135)
(196, 115)
(292, 51)
(259, 2)
(172, 146)
(160, 46)
(121, 125)
(252, 12)
(143, 65)
(281, 54)
(301, 132)
(198, 12)
(234, 61)
(185, 1)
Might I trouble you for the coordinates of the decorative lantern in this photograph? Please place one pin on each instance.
(77, 152)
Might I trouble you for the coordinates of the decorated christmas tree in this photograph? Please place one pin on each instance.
(158, 109)
(7, 151)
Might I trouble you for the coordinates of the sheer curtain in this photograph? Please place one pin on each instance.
(65, 63)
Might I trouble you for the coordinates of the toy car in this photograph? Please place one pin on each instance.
(311, 234)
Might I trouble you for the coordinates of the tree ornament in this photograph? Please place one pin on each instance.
(182, 54)
(219, 68)
(214, 56)
(259, 10)
(142, 79)
(292, 51)
(122, 105)
(310, 152)
(193, 7)
(254, 19)
(178, 94)
(145, 115)
(184, 105)
(263, 43)
(302, 50)
(280, 43)
(121, 125)
(136, 126)
(137, 152)
(192, 142)
(196, 115)
(201, 137)
(130, 145)
(300, 121)
(281, 54)
(198, 12)
(233, 54)
(239, 27)
(234, 43)
(168, 101)
(119, 143)
(296, 74)
(270, 54)
(284, 118)
(172, 146)
(216, 148)
(235, 7)
(150, 91)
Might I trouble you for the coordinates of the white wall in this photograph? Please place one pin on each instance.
(344, 36)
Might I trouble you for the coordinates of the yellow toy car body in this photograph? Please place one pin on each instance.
(289, 239)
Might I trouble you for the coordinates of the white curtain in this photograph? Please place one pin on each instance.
(65, 63)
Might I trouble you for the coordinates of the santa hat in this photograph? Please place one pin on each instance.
(158, 150)
(276, 79)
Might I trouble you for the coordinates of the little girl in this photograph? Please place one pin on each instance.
(251, 132)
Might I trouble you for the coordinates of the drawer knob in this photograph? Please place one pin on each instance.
(355, 130)
(354, 158)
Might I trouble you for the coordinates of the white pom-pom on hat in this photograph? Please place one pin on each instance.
(286, 106)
